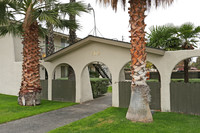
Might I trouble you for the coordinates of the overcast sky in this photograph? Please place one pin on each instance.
(114, 25)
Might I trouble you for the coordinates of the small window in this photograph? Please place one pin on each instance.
(64, 43)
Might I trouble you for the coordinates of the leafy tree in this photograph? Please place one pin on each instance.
(28, 27)
(139, 103)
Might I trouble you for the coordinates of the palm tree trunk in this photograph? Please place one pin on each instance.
(50, 42)
(50, 36)
(29, 94)
(138, 110)
(72, 32)
(186, 75)
(72, 40)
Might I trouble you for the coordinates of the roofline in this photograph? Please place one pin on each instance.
(90, 39)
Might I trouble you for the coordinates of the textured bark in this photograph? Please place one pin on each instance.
(50, 41)
(71, 74)
(186, 62)
(139, 110)
(50, 36)
(72, 32)
(29, 94)
(186, 75)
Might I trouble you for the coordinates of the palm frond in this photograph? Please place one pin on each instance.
(50, 16)
(12, 27)
(42, 31)
(72, 24)
(164, 37)
(73, 8)
(149, 3)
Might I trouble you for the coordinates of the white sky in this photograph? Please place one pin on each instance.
(115, 25)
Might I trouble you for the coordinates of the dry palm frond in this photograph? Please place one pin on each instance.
(157, 3)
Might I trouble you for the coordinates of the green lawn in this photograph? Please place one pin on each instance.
(10, 110)
(112, 120)
(109, 89)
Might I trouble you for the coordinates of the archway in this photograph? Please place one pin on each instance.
(153, 80)
(44, 82)
(63, 83)
(96, 79)
(184, 97)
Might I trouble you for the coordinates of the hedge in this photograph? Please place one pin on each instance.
(99, 86)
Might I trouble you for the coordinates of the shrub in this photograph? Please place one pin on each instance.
(94, 74)
(99, 86)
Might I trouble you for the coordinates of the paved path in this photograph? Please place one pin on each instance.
(47, 121)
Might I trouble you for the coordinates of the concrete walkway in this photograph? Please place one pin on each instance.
(47, 121)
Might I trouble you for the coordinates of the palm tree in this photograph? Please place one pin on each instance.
(28, 27)
(163, 37)
(169, 37)
(72, 10)
(72, 32)
(139, 103)
(188, 34)
(50, 36)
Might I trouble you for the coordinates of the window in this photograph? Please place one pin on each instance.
(64, 43)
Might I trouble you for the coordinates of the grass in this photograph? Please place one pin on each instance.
(182, 80)
(109, 89)
(10, 110)
(112, 120)
(98, 79)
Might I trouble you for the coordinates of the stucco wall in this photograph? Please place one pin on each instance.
(10, 71)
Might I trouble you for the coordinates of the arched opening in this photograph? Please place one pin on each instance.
(184, 96)
(153, 80)
(96, 81)
(186, 69)
(44, 82)
(63, 83)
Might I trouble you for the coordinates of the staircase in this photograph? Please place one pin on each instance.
(102, 72)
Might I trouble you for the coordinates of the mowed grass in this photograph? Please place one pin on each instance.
(10, 110)
(112, 120)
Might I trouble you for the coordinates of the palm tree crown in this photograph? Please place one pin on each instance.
(34, 10)
(149, 3)
(33, 13)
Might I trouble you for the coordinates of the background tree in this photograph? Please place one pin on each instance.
(72, 40)
(188, 34)
(169, 37)
(70, 9)
(163, 37)
(139, 103)
(72, 32)
(50, 35)
(28, 27)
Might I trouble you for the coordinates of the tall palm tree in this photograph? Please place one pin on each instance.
(169, 37)
(72, 32)
(28, 27)
(50, 35)
(73, 9)
(188, 34)
(139, 103)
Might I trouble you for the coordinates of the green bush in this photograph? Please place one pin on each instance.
(94, 74)
(99, 86)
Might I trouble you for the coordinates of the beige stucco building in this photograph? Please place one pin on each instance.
(114, 54)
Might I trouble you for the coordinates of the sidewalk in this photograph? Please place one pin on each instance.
(47, 121)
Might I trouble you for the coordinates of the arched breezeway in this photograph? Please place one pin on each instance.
(114, 54)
